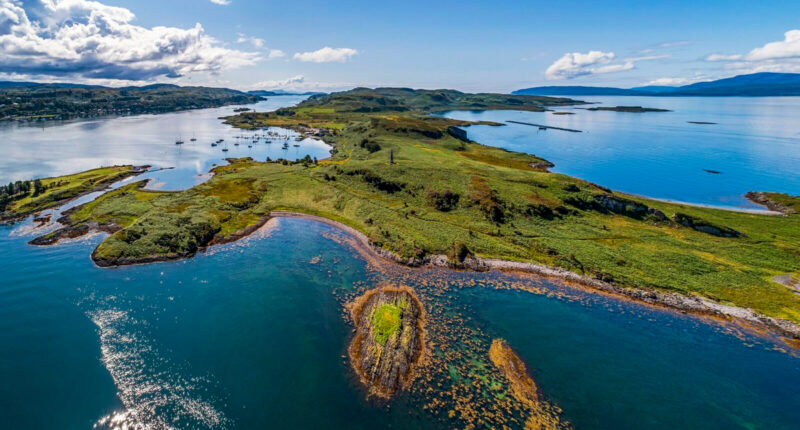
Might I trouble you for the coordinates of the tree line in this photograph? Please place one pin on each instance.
(19, 190)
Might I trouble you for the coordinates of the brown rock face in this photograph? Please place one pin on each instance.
(389, 341)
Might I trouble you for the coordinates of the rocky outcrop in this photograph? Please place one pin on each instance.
(704, 226)
(458, 133)
(607, 203)
(69, 232)
(543, 415)
(768, 200)
(629, 208)
(389, 341)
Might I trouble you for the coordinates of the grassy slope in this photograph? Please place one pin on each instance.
(62, 188)
(506, 209)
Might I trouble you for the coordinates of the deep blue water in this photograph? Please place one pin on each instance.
(251, 334)
(755, 145)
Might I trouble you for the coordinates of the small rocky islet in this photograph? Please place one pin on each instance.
(390, 338)
(542, 415)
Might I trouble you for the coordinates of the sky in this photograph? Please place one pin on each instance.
(309, 45)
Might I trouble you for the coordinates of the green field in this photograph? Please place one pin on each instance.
(57, 190)
(415, 186)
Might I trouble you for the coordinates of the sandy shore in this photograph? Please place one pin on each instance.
(691, 304)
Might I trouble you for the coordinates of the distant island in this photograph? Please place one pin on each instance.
(30, 101)
(753, 85)
(273, 93)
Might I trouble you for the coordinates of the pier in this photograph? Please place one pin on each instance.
(545, 127)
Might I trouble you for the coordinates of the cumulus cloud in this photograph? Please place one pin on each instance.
(300, 84)
(276, 53)
(255, 41)
(221, 2)
(294, 81)
(90, 40)
(779, 56)
(789, 47)
(326, 55)
(575, 64)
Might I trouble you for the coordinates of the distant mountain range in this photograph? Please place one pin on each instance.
(753, 85)
(265, 93)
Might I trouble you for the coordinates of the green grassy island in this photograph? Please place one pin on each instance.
(421, 192)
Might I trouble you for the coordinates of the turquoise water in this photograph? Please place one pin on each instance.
(252, 335)
(755, 145)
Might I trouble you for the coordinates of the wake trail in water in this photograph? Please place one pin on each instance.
(153, 390)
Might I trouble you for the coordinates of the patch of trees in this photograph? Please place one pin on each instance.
(444, 201)
(377, 181)
(489, 202)
(19, 190)
(370, 145)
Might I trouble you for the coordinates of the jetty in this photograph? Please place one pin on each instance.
(545, 127)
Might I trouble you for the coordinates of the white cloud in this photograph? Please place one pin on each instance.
(723, 57)
(789, 47)
(675, 82)
(279, 84)
(573, 65)
(780, 56)
(276, 53)
(89, 40)
(300, 84)
(326, 54)
(255, 41)
(576, 64)
(221, 2)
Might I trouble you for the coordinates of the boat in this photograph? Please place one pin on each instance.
(285, 146)
(296, 145)
(224, 149)
(214, 144)
(179, 141)
(193, 139)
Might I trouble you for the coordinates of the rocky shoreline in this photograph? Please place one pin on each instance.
(690, 304)
(696, 305)
(390, 338)
(11, 219)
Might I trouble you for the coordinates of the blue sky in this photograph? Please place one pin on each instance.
(468, 45)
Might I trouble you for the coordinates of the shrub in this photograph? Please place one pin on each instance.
(444, 201)
(370, 146)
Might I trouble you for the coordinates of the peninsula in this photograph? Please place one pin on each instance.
(422, 193)
(28, 101)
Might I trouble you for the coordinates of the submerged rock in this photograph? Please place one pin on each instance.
(389, 341)
(543, 415)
